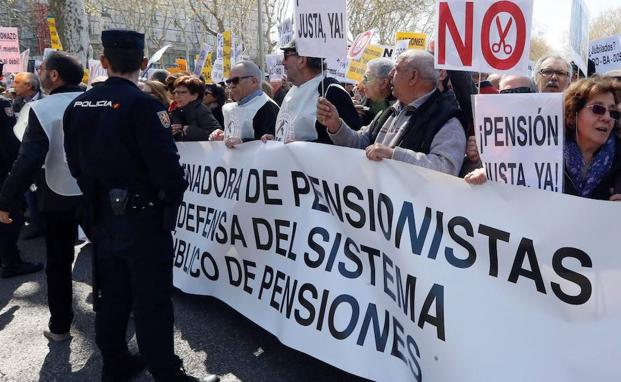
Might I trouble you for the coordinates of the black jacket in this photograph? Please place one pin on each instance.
(27, 169)
(9, 144)
(198, 120)
(341, 99)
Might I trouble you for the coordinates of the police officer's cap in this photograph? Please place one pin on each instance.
(121, 38)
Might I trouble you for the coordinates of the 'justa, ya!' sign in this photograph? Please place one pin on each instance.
(484, 36)
(321, 28)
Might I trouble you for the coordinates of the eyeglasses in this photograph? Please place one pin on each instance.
(235, 80)
(180, 92)
(551, 72)
(601, 110)
(289, 54)
(521, 89)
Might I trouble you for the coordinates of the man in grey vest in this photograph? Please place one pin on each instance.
(422, 128)
(58, 194)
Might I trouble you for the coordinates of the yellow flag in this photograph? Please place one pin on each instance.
(226, 51)
(54, 39)
(207, 69)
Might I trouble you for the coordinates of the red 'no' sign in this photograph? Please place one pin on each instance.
(464, 47)
(360, 43)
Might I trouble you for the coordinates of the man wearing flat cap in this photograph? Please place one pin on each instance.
(297, 118)
(120, 149)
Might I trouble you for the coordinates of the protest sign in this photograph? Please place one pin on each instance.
(522, 145)
(9, 50)
(182, 64)
(202, 57)
(158, 55)
(400, 47)
(357, 68)
(285, 32)
(360, 44)
(207, 69)
(337, 68)
(484, 36)
(321, 28)
(397, 273)
(95, 70)
(54, 38)
(416, 40)
(217, 71)
(606, 53)
(579, 34)
(25, 57)
(275, 68)
(388, 51)
(226, 54)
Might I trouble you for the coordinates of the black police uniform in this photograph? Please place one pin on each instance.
(59, 215)
(120, 149)
(9, 146)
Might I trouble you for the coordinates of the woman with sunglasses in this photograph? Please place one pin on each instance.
(191, 120)
(592, 152)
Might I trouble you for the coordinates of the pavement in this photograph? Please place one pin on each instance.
(210, 337)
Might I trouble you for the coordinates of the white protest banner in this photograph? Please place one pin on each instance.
(606, 53)
(9, 50)
(321, 28)
(484, 36)
(285, 32)
(275, 68)
(397, 273)
(95, 70)
(24, 58)
(337, 68)
(202, 57)
(520, 138)
(158, 55)
(579, 34)
(217, 71)
(360, 44)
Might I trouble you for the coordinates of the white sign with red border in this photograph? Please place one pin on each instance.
(360, 44)
(485, 36)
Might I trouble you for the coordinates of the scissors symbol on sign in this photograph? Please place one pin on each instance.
(502, 33)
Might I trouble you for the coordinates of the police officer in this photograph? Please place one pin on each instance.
(10, 262)
(58, 193)
(120, 149)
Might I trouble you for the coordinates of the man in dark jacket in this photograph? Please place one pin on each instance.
(10, 262)
(58, 192)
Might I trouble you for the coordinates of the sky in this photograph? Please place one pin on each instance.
(551, 18)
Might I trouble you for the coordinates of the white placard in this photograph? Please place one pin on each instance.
(398, 273)
(360, 44)
(579, 34)
(158, 55)
(95, 70)
(9, 50)
(217, 71)
(321, 28)
(285, 32)
(275, 68)
(520, 138)
(485, 36)
(202, 57)
(606, 53)
(25, 57)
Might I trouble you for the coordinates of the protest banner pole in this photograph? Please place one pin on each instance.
(261, 58)
(479, 83)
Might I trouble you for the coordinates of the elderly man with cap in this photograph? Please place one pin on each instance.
(552, 74)
(253, 115)
(58, 192)
(297, 119)
(120, 149)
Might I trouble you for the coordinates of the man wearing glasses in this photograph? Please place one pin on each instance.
(552, 74)
(254, 113)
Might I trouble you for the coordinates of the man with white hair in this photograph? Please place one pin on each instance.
(254, 114)
(515, 84)
(27, 89)
(422, 128)
(552, 74)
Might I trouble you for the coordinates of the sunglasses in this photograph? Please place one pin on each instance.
(601, 110)
(289, 54)
(521, 89)
(235, 80)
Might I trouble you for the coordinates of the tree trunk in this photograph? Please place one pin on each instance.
(72, 24)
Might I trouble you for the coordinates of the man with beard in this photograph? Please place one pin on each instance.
(552, 74)
(58, 194)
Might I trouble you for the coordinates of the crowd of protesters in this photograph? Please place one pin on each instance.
(404, 110)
